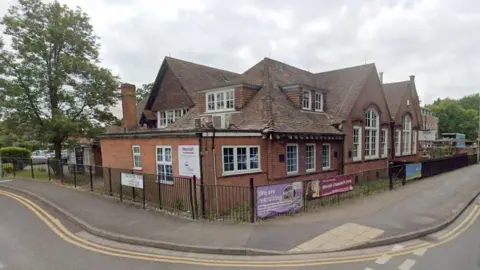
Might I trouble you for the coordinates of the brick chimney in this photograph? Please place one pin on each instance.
(412, 78)
(129, 105)
(380, 76)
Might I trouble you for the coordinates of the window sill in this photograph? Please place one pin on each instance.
(166, 182)
(241, 172)
(220, 111)
(311, 171)
(292, 173)
(137, 168)
(326, 169)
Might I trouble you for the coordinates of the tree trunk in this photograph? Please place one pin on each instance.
(56, 163)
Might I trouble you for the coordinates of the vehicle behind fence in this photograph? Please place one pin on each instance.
(189, 198)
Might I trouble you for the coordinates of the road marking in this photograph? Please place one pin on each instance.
(420, 252)
(368, 268)
(397, 247)
(58, 228)
(407, 264)
(4, 181)
(383, 259)
(2, 265)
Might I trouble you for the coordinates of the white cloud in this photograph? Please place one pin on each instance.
(434, 39)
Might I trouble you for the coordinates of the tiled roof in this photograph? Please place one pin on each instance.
(344, 86)
(284, 116)
(270, 108)
(194, 77)
(394, 93)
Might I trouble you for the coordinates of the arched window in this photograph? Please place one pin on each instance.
(407, 135)
(372, 123)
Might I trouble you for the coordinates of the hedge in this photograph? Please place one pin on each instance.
(17, 152)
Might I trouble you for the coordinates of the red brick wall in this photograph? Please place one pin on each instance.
(279, 169)
(242, 96)
(370, 97)
(201, 102)
(295, 96)
(117, 153)
(241, 179)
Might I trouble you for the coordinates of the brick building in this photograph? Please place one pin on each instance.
(404, 107)
(429, 132)
(274, 122)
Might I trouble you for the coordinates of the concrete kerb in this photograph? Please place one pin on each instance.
(140, 241)
(234, 251)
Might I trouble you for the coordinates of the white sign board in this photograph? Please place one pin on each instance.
(188, 160)
(427, 135)
(132, 180)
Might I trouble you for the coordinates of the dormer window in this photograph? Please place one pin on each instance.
(220, 101)
(319, 101)
(307, 100)
(167, 117)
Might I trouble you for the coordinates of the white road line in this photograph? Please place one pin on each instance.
(4, 181)
(383, 259)
(420, 252)
(397, 247)
(368, 268)
(2, 265)
(407, 264)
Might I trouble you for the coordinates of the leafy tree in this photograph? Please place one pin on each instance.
(470, 102)
(452, 117)
(144, 91)
(53, 85)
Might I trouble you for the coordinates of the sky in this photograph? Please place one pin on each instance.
(435, 40)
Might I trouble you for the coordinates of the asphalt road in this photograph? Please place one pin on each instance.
(27, 242)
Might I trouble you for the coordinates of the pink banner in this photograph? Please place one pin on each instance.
(336, 184)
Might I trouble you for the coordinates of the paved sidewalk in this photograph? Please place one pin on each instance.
(418, 205)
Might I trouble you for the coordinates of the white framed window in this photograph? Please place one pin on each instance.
(137, 157)
(220, 101)
(357, 143)
(407, 135)
(240, 159)
(165, 118)
(372, 123)
(398, 139)
(325, 156)
(164, 164)
(384, 143)
(319, 101)
(310, 157)
(414, 142)
(292, 158)
(307, 100)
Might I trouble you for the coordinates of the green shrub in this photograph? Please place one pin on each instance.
(7, 167)
(16, 152)
(17, 155)
(41, 169)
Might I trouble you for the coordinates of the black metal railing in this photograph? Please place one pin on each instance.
(189, 198)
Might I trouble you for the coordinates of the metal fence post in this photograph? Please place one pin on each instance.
(91, 178)
(143, 190)
(121, 189)
(75, 175)
(190, 187)
(13, 164)
(159, 193)
(60, 170)
(390, 177)
(252, 201)
(304, 195)
(195, 195)
(110, 180)
(404, 180)
(31, 167)
(202, 197)
(48, 169)
(133, 190)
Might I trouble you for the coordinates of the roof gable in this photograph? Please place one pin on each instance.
(394, 93)
(344, 85)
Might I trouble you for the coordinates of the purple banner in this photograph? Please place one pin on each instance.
(279, 199)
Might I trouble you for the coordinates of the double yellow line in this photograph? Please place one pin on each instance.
(57, 227)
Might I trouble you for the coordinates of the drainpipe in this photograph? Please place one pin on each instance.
(215, 169)
(202, 187)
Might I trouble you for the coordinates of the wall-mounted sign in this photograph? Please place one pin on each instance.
(132, 180)
(188, 161)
